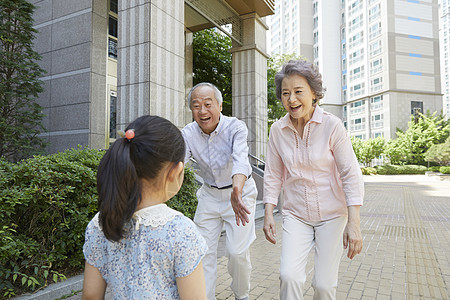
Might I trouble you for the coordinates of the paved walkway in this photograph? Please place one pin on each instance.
(406, 253)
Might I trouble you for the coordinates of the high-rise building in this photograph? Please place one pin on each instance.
(291, 27)
(379, 60)
(444, 36)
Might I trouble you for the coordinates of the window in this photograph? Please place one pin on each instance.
(376, 66)
(358, 124)
(356, 40)
(357, 90)
(374, 13)
(112, 29)
(375, 48)
(113, 6)
(356, 23)
(358, 107)
(416, 107)
(356, 73)
(316, 37)
(375, 30)
(376, 102)
(112, 114)
(376, 84)
(356, 56)
(377, 134)
(377, 121)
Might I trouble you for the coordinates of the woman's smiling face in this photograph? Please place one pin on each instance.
(297, 97)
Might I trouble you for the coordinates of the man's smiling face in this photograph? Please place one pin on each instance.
(205, 108)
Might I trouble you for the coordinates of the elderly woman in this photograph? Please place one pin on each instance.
(311, 157)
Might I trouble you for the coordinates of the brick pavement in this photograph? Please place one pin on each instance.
(405, 227)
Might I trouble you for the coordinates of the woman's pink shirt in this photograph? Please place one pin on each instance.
(319, 174)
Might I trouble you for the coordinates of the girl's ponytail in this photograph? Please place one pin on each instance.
(118, 187)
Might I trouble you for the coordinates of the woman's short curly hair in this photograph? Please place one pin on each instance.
(305, 69)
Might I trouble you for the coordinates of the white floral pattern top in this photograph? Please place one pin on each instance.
(159, 245)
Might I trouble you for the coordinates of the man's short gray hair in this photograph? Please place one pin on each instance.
(305, 69)
(217, 93)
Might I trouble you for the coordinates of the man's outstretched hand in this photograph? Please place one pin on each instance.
(241, 211)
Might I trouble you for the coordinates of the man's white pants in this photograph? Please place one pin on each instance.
(299, 237)
(213, 211)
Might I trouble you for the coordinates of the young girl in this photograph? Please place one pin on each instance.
(136, 245)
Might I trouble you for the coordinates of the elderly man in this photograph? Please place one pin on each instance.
(228, 195)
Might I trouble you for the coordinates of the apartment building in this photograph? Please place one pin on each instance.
(379, 60)
(444, 38)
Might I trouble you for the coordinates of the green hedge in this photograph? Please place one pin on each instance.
(445, 170)
(434, 168)
(400, 169)
(368, 171)
(45, 205)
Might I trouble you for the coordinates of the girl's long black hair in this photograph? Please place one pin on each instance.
(156, 142)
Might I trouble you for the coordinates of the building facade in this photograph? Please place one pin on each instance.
(111, 61)
(444, 36)
(379, 60)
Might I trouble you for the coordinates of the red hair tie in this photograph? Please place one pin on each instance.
(129, 134)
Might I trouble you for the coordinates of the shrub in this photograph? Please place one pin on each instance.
(445, 170)
(400, 169)
(46, 203)
(434, 168)
(368, 171)
(186, 199)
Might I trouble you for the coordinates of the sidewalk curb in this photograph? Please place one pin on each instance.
(56, 290)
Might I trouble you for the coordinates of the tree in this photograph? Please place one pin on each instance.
(371, 149)
(275, 107)
(20, 115)
(395, 151)
(212, 63)
(421, 134)
(411, 145)
(366, 151)
(439, 153)
(357, 145)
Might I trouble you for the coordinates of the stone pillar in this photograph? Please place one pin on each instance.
(151, 60)
(189, 66)
(250, 82)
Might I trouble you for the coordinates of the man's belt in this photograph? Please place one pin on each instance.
(224, 187)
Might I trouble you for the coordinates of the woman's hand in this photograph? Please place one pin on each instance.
(352, 233)
(269, 224)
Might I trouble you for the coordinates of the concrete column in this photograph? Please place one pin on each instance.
(250, 82)
(151, 60)
(189, 66)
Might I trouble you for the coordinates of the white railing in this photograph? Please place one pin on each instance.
(375, 70)
(377, 124)
(358, 127)
(376, 88)
(376, 106)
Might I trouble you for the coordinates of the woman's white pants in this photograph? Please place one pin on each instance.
(299, 237)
